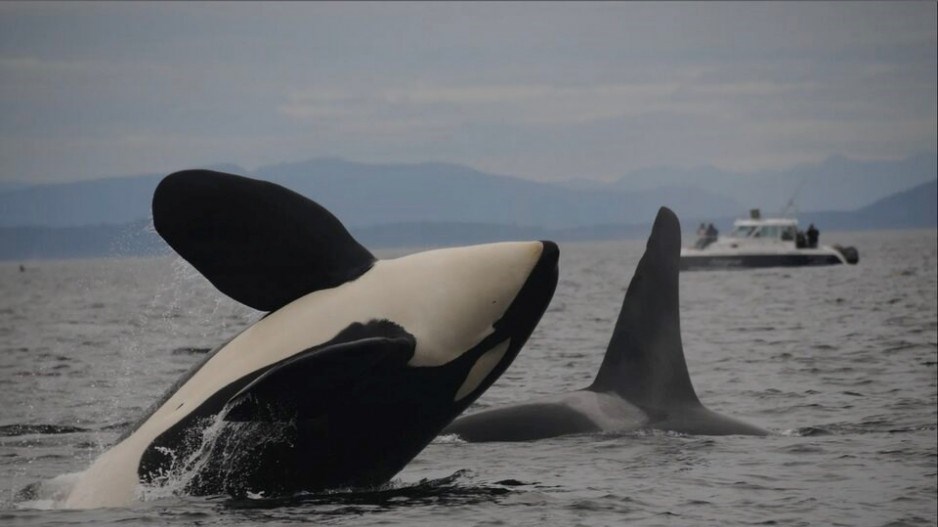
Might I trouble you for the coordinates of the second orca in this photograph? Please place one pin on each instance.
(643, 382)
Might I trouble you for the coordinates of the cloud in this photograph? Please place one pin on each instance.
(537, 90)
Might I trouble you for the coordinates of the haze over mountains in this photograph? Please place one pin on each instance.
(438, 203)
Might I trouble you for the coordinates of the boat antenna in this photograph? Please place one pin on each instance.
(790, 207)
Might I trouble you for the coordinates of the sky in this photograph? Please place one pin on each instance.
(543, 91)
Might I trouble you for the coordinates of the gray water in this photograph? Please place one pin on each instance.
(839, 363)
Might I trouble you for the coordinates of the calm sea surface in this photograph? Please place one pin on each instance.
(839, 362)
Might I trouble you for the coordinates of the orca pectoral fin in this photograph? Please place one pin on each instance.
(309, 384)
(259, 243)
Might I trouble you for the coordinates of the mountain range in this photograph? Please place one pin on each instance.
(437, 203)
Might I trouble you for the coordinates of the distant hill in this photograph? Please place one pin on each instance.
(431, 204)
(36, 243)
(380, 194)
(110, 201)
(370, 194)
(915, 208)
(835, 184)
(364, 195)
(103, 201)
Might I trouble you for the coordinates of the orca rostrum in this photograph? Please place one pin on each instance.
(643, 382)
(356, 367)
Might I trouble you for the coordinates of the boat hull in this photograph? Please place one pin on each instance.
(703, 261)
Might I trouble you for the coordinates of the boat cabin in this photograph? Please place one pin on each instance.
(783, 229)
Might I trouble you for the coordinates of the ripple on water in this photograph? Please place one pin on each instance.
(452, 490)
(15, 430)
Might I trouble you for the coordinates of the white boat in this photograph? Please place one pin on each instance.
(763, 242)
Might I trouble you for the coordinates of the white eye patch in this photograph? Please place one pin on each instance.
(482, 368)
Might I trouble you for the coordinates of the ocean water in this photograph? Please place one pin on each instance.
(838, 362)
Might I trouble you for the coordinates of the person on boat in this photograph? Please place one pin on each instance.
(813, 234)
(800, 241)
(701, 236)
(710, 236)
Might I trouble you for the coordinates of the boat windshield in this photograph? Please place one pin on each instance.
(768, 231)
(742, 231)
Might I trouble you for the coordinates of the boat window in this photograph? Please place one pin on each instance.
(768, 231)
(742, 231)
(788, 233)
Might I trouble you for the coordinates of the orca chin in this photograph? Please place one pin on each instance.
(358, 365)
(643, 382)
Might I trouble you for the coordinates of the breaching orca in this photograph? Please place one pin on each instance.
(358, 366)
(643, 381)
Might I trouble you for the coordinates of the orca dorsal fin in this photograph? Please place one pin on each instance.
(644, 361)
(257, 242)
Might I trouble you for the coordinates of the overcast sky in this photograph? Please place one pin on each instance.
(542, 91)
